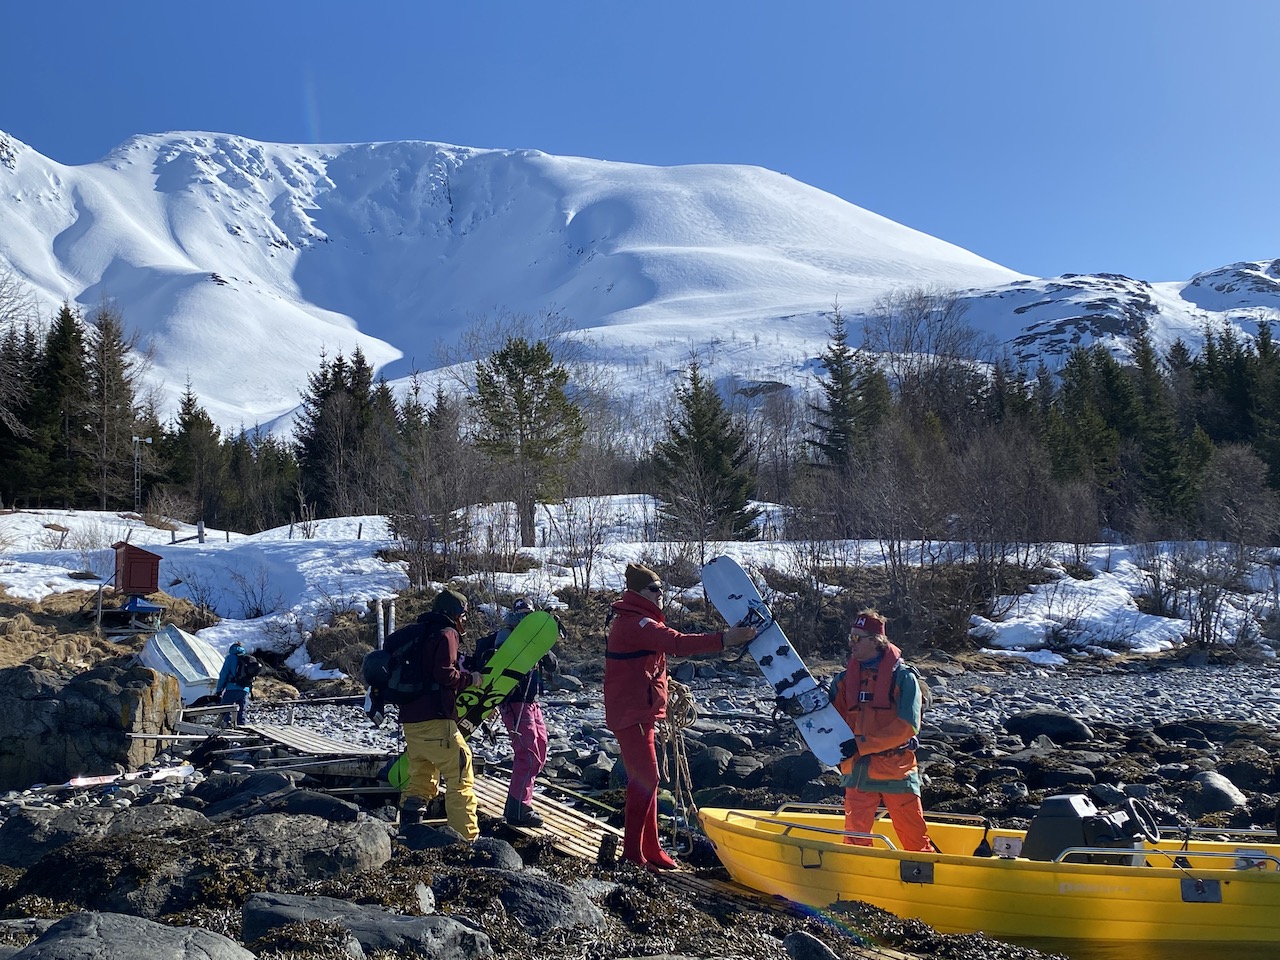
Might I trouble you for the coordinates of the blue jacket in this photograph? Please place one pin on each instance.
(228, 671)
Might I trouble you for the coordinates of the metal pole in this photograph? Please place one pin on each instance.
(137, 472)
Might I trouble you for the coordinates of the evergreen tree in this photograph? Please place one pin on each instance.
(528, 425)
(19, 449)
(263, 481)
(379, 454)
(331, 438)
(59, 413)
(1266, 403)
(1009, 398)
(1223, 383)
(1166, 489)
(113, 411)
(701, 473)
(855, 401)
(197, 457)
(1080, 431)
(17, 315)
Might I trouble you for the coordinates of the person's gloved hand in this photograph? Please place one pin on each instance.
(912, 744)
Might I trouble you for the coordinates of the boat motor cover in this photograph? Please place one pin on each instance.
(1072, 820)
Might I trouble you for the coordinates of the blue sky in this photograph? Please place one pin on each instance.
(1127, 136)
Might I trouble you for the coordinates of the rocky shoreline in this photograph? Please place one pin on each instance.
(267, 866)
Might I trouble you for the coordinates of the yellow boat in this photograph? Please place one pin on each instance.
(1075, 873)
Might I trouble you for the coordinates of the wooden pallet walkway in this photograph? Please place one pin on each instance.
(308, 742)
(573, 832)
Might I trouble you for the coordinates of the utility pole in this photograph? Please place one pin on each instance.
(137, 472)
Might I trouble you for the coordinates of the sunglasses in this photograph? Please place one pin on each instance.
(654, 588)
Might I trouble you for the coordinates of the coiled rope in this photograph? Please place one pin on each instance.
(682, 713)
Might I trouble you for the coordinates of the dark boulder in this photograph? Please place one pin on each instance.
(708, 764)
(788, 771)
(120, 937)
(30, 834)
(440, 938)
(492, 852)
(539, 904)
(151, 875)
(1058, 726)
(805, 946)
(424, 836)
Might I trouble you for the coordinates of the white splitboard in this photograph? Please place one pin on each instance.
(736, 598)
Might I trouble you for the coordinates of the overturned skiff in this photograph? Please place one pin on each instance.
(1074, 873)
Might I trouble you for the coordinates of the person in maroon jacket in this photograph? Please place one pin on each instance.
(635, 699)
(432, 741)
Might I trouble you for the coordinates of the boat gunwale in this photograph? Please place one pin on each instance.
(1171, 832)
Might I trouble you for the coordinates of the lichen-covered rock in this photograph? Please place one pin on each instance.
(60, 724)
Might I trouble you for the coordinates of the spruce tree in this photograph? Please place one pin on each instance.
(701, 469)
(262, 481)
(113, 410)
(1166, 491)
(19, 449)
(528, 425)
(59, 413)
(856, 402)
(333, 442)
(197, 457)
(17, 316)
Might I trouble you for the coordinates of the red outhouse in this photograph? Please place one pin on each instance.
(137, 570)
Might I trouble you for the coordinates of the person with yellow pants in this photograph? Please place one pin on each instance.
(435, 747)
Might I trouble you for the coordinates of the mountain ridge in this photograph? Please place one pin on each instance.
(239, 262)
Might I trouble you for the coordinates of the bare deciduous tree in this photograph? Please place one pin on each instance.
(934, 359)
(1236, 504)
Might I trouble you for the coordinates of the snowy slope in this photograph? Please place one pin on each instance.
(239, 262)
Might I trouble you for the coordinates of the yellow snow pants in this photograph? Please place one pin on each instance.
(437, 752)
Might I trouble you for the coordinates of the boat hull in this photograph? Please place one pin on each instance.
(803, 857)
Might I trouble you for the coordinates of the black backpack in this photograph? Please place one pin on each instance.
(395, 673)
(486, 647)
(247, 667)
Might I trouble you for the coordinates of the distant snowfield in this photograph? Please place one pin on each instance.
(240, 263)
(303, 581)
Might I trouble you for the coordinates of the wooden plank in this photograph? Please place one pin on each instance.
(309, 742)
(211, 708)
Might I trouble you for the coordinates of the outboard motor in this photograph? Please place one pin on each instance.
(1071, 820)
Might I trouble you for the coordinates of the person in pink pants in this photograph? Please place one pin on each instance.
(522, 716)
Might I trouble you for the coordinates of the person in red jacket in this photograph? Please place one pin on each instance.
(432, 742)
(635, 699)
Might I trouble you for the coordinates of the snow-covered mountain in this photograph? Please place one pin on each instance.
(240, 262)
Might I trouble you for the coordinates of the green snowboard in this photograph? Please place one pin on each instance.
(533, 636)
(397, 772)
